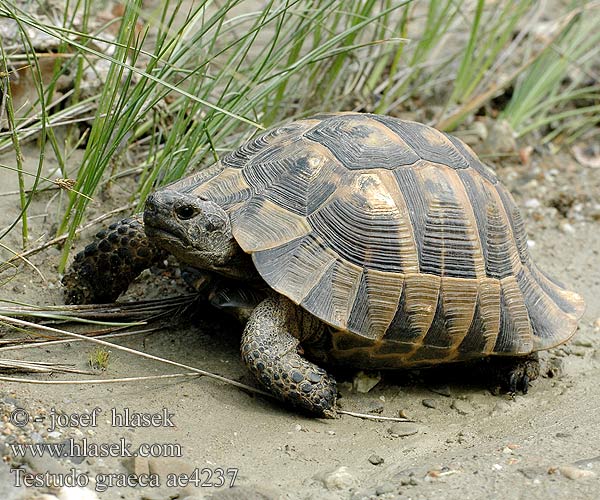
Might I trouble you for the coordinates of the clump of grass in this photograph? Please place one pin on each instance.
(564, 73)
(98, 358)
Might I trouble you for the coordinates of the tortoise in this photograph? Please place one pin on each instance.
(348, 239)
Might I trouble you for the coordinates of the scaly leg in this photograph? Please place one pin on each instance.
(511, 373)
(271, 350)
(108, 265)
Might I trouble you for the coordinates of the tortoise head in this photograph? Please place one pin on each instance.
(196, 231)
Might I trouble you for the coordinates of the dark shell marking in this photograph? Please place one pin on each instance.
(391, 231)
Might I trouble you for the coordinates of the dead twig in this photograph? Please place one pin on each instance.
(368, 416)
(95, 381)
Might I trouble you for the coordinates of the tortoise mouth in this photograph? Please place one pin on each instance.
(167, 236)
(166, 232)
(180, 247)
(156, 233)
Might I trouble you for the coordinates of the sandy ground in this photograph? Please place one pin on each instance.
(464, 442)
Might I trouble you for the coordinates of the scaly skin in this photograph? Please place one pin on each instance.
(511, 373)
(270, 349)
(108, 265)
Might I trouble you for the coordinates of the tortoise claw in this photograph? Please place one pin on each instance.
(511, 374)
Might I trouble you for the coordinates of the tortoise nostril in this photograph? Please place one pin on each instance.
(214, 223)
(150, 206)
(211, 226)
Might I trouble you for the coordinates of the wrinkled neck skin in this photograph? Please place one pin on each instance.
(238, 265)
(198, 233)
(226, 259)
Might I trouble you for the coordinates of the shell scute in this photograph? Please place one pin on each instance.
(428, 143)
(364, 226)
(298, 177)
(360, 142)
(241, 156)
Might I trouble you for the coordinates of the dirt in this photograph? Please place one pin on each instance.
(463, 441)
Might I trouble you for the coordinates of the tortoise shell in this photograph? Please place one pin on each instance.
(393, 233)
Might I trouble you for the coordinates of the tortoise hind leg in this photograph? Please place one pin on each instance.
(271, 350)
(510, 373)
(108, 265)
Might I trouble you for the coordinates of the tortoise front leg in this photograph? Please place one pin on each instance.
(108, 265)
(271, 350)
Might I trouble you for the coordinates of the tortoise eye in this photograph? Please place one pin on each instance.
(185, 212)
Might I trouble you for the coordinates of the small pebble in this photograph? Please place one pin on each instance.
(48, 464)
(12, 401)
(575, 473)
(169, 465)
(564, 435)
(137, 465)
(566, 228)
(376, 459)
(35, 437)
(442, 390)
(402, 429)
(533, 203)
(339, 479)
(409, 481)
(500, 138)
(363, 382)
(429, 403)
(480, 129)
(462, 407)
(384, 488)
(525, 155)
(375, 406)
